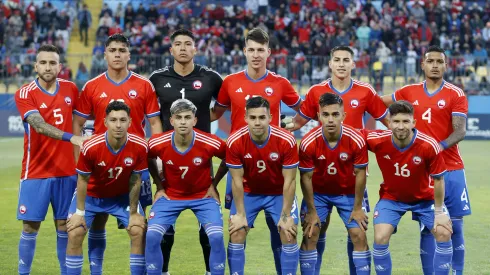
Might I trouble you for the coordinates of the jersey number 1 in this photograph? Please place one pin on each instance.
(183, 93)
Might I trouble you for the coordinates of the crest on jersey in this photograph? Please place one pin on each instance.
(128, 161)
(354, 103)
(344, 156)
(132, 94)
(269, 91)
(152, 214)
(441, 103)
(22, 209)
(273, 156)
(197, 161)
(417, 160)
(376, 214)
(197, 84)
(68, 100)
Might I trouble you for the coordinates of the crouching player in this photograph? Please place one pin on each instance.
(186, 155)
(408, 159)
(109, 181)
(333, 159)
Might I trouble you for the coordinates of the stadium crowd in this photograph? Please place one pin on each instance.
(387, 36)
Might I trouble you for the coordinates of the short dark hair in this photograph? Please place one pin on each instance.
(48, 48)
(117, 106)
(184, 32)
(401, 107)
(435, 48)
(257, 35)
(341, 48)
(330, 99)
(257, 102)
(117, 38)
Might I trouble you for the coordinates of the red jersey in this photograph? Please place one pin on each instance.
(406, 172)
(434, 113)
(46, 157)
(110, 171)
(262, 164)
(239, 87)
(333, 167)
(136, 91)
(187, 174)
(359, 98)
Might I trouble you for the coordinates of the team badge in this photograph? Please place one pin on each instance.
(197, 161)
(417, 160)
(22, 209)
(273, 156)
(354, 103)
(344, 156)
(197, 84)
(269, 91)
(128, 161)
(132, 94)
(376, 214)
(152, 214)
(68, 100)
(441, 103)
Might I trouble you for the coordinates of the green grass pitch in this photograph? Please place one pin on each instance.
(187, 255)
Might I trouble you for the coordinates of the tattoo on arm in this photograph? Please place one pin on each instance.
(37, 122)
(284, 217)
(459, 131)
(134, 192)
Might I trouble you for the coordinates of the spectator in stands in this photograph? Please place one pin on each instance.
(319, 74)
(129, 14)
(119, 14)
(105, 9)
(363, 34)
(486, 34)
(82, 76)
(65, 72)
(99, 47)
(98, 65)
(70, 11)
(106, 21)
(484, 86)
(481, 56)
(15, 43)
(85, 21)
(471, 86)
(45, 17)
(411, 61)
(152, 13)
(26, 74)
(417, 11)
(62, 26)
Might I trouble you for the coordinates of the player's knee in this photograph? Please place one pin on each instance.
(238, 236)
(381, 238)
(31, 227)
(60, 225)
(75, 237)
(357, 236)
(442, 234)
(136, 233)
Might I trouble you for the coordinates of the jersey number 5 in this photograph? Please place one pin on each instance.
(58, 116)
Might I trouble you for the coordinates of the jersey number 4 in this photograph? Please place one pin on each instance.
(427, 115)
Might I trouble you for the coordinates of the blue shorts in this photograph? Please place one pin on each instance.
(36, 194)
(145, 192)
(117, 207)
(390, 212)
(325, 203)
(165, 211)
(272, 205)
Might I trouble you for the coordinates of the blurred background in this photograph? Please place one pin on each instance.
(388, 38)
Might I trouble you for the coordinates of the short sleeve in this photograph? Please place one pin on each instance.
(376, 107)
(84, 164)
(223, 99)
(360, 156)
(221, 152)
(218, 83)
(437, 166)
(151, 107)
(291, 158)
(289, 96)
(398, 95)
(25, 103)
(142, 164)
(309, 106)
(233, 156)
(306, 156)
(84, 106)
(460, 107)
(155, 146)
(76, 95)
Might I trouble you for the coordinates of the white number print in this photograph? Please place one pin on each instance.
(248, 96)
(120, 100)
(118, 172)
(183, 93)
(185, 169)
(464, 196)
(403, 171)
(331, 169)
(427, 115)
(261, 166)
(57, 115)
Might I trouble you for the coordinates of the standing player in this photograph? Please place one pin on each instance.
(186, 154)
(109, 180)
(256, 80)
(46, 105)
(194, 82)
(440, 110)
(116, 84)
(262, 159)
(359, 98)
(408, 159)
(333, 160)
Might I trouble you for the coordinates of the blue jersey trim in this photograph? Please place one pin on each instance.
(46, 92)
(266, 141)
(83, 173)
(190, 146)
(116, 83)
(258, 79)
(338, 141)
(434, 93)
(409, 145)
(81, 114)
(234, 166)
(110, 148)
(341, 92)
